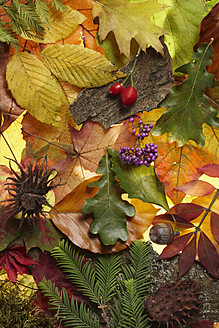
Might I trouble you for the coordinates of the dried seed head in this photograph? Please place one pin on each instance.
(28, 189)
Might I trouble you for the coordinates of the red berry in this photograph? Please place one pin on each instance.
(115, 89)
(128, 96)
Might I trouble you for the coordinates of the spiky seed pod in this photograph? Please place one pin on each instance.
(174, 304)
(28, 189)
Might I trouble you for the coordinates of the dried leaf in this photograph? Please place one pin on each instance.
(179, 224)
(212, 170)
(187, 257)
(177, 245)
(128, 20)
(202, 324)
(79, 66)
(208, 255)
(188, 211)
(152, 78)
(215, 225)
(196, 188)
(34, 88)
(187, 104)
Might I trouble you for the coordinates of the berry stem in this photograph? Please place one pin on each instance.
(133, 67)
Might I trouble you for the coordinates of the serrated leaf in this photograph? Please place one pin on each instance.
(34, 88)
(180, 18)
(79, 66)
(139, 181)
(109, 209)
(188, 109)
(61, 25)
(187, 257)
(128, 21)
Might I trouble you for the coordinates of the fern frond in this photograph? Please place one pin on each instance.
(57, 4)
(72, 263)
(7, 36)
(42, 11)
(132, 315)
(140, 257)
(107, 269)
(72, 315)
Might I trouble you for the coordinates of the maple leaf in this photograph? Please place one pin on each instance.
(187, 104)
(128, 20)
(209, 30)
(109, 209)
(153, 79)
(14, 259)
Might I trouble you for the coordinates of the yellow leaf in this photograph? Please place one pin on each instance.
(79, 66)
(61, 25)
(129, 21)
(34, 88)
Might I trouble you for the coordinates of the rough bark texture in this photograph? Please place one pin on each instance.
(153, 79)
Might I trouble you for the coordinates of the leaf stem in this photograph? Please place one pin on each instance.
(132, 70)
(208, 210)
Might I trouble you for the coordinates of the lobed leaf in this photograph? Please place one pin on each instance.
(79, 66)
(34, 88)
(187, 257)
(139, 182)
(187, 104)
(196, 188)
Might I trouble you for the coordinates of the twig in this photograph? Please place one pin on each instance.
(103, 311)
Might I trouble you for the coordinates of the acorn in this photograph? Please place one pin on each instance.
(162, 234)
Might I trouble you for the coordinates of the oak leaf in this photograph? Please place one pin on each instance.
(187, 104)
(128, 20)
(14, 259)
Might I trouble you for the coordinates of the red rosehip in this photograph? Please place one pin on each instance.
(128, 96)
(115, 89)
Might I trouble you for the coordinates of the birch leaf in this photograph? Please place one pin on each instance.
(129, 21)
(34, 88)
(61, 25)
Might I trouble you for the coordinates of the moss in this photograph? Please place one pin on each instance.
(18, 312)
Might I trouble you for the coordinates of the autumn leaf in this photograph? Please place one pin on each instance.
(186, 103)
(79, 66)
(212, 170)
(209, 30)
(14, 259)
(152, 79)
(128, 20)
(202, 324)
(139, 181)
(180, 20)
(196, 188)
(187, 257)
(109, 209)
(34, 88)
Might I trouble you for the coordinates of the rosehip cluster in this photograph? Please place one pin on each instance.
(128, 95)
(138, 155)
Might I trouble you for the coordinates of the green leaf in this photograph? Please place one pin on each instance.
(107, 268)
(78, 272)
(71, 314)
(79, 66)
(181, 20)
(34, 88)
(139, 181)
(109, 209)
(188, 109)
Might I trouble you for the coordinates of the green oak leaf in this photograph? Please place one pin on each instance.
(139, 181)
(109, 209)
(188, 109)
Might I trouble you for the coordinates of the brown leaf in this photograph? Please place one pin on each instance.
(152, 79)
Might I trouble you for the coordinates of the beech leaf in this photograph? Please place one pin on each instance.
(34, 88)
(109, 209)
(196, 188)
(79, 66)
(208, 255)
(186, 102)
(187, 257)
(152, 79)
(215, 225)
(212, 170)
(139, 182)
(128, 21)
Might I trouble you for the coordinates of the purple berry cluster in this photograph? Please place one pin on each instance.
(140, 155)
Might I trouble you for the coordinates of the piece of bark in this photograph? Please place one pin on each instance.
(152, 78)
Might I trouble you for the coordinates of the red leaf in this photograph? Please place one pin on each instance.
(215, 225)
(180, 223)
(212, 170)
(208, 255)
(196, 188)
(188, 211)
(202, 324)
(187, 257)
(177, 245)
(14, 259)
